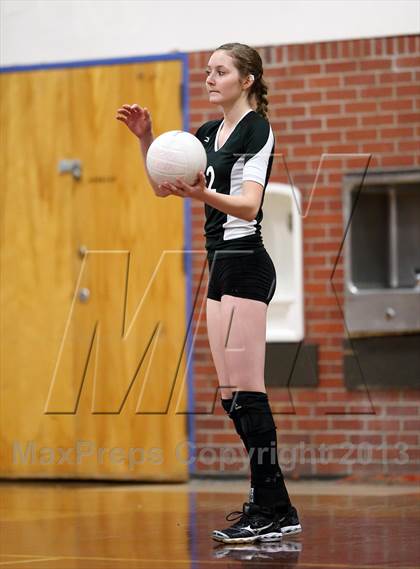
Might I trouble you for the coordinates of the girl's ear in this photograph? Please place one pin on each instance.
(248, 81)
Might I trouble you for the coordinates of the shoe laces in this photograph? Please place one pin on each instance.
(237, 515)
(241, 516)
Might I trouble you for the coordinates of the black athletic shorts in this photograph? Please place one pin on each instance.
(249, 275)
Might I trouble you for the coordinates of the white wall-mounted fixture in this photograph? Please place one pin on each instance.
(282, 236)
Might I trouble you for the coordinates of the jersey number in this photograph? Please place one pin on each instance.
(210, 172)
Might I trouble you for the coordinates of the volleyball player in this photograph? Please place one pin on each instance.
(242, 281)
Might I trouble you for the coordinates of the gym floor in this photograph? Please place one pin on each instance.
(87, 525)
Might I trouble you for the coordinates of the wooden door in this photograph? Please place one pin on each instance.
(93, 287)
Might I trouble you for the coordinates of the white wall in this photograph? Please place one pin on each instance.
(40, 31)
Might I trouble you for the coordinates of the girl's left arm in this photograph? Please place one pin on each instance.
(244, 206)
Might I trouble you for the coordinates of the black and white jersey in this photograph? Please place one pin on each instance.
(247, 154)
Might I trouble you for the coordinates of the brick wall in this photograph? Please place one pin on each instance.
(358, 96)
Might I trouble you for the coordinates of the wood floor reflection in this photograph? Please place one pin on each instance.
(63, 525)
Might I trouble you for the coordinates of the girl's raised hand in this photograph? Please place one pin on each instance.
(136, 118)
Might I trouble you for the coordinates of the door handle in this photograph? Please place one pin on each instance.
(72, 166)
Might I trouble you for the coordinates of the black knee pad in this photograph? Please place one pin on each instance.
(252, 410)
(227, 404)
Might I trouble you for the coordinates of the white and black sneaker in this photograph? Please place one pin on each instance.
(256, 523)
(289, 523)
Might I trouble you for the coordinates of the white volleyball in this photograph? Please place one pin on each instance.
(176, 154)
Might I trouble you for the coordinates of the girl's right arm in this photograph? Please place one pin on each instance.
(138, 120)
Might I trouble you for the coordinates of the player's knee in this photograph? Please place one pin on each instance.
(253, 411)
